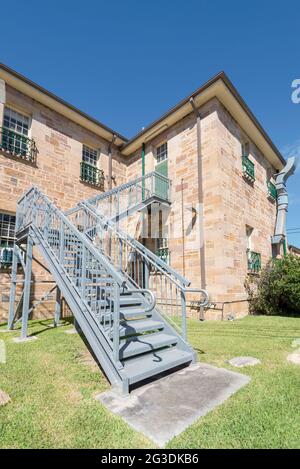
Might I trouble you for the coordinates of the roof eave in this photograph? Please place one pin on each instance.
(40, 94)
(220, 87)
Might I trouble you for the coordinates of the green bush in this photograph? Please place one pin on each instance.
(277, 290)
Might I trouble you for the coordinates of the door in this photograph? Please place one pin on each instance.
(161, 185)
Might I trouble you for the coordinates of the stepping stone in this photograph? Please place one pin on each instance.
(4, 398)
(19, 340)
(294, 357)
(243, 361)
(71, 331)
(296, 343)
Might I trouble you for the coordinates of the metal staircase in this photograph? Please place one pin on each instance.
(115, 301)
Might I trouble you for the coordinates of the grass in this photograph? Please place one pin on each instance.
(52, 386)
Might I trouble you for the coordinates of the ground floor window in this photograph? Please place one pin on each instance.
(7, 233)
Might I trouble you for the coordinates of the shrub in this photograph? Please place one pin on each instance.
(277, 290)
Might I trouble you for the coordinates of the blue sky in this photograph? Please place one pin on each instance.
(126, 62)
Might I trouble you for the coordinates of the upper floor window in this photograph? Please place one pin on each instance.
(89, 171)
(162, 152)
(245, 148)
(14, 135)
(16, 121)
(7, 233)
(89, 155)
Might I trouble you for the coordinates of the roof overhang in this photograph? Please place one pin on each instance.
(36, 92)
(219, 87)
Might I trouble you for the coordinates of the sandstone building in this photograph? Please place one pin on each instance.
(220, 161)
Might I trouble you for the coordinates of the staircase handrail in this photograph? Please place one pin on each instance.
(122, 187)
(180, 281)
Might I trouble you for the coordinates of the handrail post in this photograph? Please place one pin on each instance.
(183, 315)
(116, 323)
(27, 285)
(13, 288)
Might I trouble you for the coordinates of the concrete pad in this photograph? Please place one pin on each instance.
(7, 330)
(296, 343)
(71, 331)
(239, 362)
(164, 408)
(19, 340)
(294, 357)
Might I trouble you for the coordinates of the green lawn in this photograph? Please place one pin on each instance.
(52, 386)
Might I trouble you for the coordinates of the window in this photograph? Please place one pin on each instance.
(7, 233)
(13, 120)
(245, 149)
(253, 258)
(162, 152)
(249, 232)
(89, 173)
(89, 155)
(14, 135)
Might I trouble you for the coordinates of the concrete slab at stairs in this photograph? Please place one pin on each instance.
(166, 407)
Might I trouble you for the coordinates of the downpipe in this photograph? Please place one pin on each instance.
(279, 237)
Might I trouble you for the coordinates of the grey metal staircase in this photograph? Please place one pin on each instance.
(127, 331)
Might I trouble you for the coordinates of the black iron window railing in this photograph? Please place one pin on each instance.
(164, 254)
(248, 169)
(91, 174)
(18, 145)
(254, 261)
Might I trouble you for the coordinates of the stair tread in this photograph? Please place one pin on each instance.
(145, 366)
(145, 343)
(139, 325)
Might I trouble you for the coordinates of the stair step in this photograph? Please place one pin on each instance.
(127, 300)
(132, 311)
(139, 368)
(126, 314)
(145, 343)
(138, 326)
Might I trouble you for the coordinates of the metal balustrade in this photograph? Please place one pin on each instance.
(18, 145)
(248, 169)
(91, 175)
(93, 278)
(132, 195)
(254, 261)
(272, 192)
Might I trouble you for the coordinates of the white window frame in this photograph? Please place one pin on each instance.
(160, 151)
(89, 160)
(21, 113)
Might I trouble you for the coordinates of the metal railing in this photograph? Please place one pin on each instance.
(248, 168)
(90, 274)
(254, 261)
(18, 145)
(272, 192)
(131, 194)
(91, 175)
(140, 265)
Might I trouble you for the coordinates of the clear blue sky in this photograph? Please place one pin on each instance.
(126, 62)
